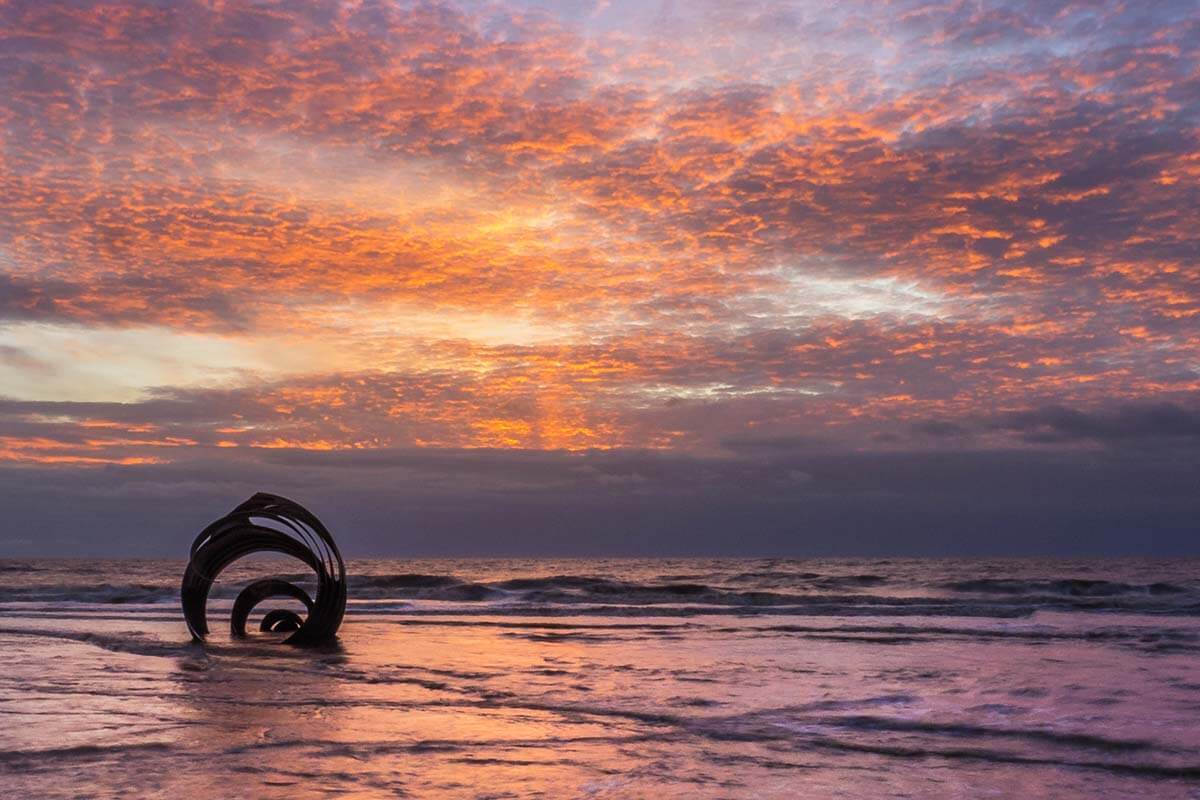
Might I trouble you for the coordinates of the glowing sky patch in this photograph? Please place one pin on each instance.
(593, 225)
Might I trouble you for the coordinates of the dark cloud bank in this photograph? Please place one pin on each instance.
(1138, 496)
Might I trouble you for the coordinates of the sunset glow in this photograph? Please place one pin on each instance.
(706, 231)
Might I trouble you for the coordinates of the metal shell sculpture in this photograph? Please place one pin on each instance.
(267, 522)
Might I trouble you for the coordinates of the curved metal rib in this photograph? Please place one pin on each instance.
(280, 620)
(269, 523)
(258, 591)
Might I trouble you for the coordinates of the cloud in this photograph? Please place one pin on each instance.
(194, 211)
(769, 232)
(19, 359)
(938, 428)
(1127, 422)
(504, 502)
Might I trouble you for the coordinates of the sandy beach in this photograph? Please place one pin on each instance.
(620, 679)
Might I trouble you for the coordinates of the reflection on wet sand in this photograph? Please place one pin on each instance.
(431, 698)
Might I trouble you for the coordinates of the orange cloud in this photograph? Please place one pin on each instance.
(629, 239)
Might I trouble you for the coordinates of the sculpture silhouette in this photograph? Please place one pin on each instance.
(267, 522)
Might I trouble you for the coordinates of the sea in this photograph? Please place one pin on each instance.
(613, 678)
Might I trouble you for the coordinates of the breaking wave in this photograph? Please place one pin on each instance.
(768, 591)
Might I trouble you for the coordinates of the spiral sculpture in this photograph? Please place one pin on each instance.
(267, 522)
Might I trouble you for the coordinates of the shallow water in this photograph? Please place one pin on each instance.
(621, 678)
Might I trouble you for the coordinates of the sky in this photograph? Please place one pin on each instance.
(599, 277)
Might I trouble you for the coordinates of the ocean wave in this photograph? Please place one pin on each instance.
(1072, 587)
(849, 581)
(405, 580)
(561, 589)
(19, 566)
(100, 593)
(744, 592)
(775, 575)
